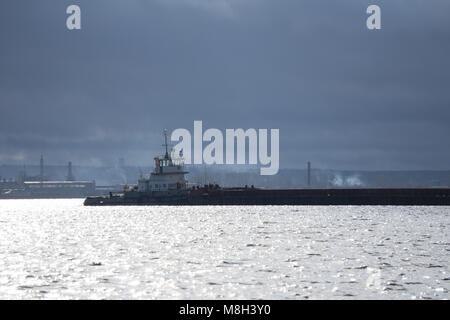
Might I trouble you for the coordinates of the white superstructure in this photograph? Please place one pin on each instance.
(168, 174)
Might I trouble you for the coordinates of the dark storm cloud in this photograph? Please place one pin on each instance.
(341, 95)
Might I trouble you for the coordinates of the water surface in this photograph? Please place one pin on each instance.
(58, 249)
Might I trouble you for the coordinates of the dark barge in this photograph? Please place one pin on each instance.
(252, 196)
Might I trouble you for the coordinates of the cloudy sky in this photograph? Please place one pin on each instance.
(343, 96)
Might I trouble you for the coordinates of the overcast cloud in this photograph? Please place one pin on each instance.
(342, 96)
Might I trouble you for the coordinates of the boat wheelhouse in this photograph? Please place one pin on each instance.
(167, 176)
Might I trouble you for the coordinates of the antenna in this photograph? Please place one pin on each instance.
(166, 156)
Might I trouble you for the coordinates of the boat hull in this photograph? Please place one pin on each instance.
(244, 196)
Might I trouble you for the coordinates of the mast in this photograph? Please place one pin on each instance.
(166, 156)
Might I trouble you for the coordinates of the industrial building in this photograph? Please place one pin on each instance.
(40, 187)
(59, 189)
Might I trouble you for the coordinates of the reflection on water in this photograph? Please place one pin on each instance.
(52, 249)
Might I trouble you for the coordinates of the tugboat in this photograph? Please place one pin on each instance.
(165, 185)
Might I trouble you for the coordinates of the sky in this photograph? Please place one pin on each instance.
(343, 97)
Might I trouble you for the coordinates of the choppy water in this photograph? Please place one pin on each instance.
(51, 249)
